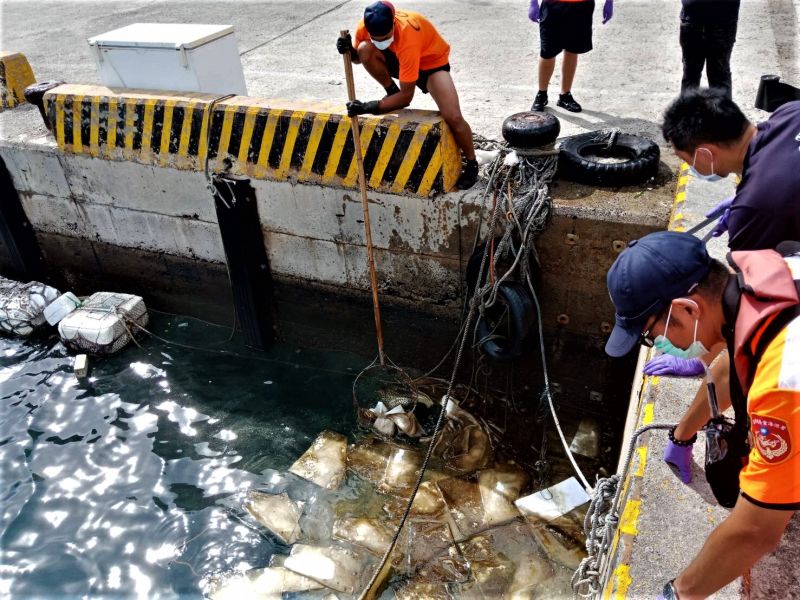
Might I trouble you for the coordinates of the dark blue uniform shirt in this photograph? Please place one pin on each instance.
(766, 209)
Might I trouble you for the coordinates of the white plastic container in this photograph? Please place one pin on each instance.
(170, 56)
(22, 305)
(103, 324)
(61, 307)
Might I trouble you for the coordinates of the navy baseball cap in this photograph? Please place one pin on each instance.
(649, 274)
(379, 18)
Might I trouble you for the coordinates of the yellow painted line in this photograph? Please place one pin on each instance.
(410, 159)
(336, 149)
(683, 180)
(186, 128)
(620, 582)
(77, 144)
(288, 145)
(111, 126)
(630, 517)
(166, 132)
(434, 168)
(367, 129)
(680, 196)
(266, 141)
(225, 135)
(647, 417)
(247, 132)
(320, 121)
(60, 121)
(392, 133)
(642, 453)
(147, 126)
(130, 113)
(655, 380)
(94, 127)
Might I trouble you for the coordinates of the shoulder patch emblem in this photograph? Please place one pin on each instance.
(771, 438)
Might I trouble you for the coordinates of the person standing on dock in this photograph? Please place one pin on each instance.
(564, 26)
(405, 45)
(667, 290)
(707, 35)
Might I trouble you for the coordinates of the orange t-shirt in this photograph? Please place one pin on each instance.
(772, 476)
(417, 44)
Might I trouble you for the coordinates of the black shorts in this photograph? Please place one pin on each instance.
(565, 26)
(422, 80)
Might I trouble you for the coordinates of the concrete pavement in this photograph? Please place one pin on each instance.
(288, 51)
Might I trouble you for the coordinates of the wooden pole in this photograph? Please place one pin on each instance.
(362, 183)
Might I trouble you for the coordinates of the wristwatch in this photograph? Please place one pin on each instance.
(669, 592)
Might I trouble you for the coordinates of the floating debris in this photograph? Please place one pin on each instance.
(22, 306)
(325, 462)
(269, 583)
(335, 567)
(104, 323)
(373, 535)
(499, 487)
(402, 470)
(587, 439)
(278, 513)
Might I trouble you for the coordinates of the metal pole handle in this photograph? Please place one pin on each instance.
(362, 183)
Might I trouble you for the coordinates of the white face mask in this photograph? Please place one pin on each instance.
(712, 176)
(695, 350)
(383, 45)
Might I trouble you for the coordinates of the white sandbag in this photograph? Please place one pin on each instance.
(22, 306)
(103, 324)
(325, 462)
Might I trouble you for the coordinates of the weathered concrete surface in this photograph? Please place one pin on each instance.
(673, 519)
(288, 51)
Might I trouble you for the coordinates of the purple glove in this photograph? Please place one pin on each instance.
(723, 211)
(679, 459)
(608, 11)
(666, 364)
(533, 11)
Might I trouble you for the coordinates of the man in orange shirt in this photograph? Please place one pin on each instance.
(399, 43)
(668, 291)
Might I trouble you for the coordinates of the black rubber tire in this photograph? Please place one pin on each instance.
(514, 298)
(531, 129)
(474, 264)
(574, 164)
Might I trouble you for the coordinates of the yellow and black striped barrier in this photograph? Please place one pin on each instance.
(409, 152)
(15, 75)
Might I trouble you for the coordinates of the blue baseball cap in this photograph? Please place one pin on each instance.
(649, 274)
(379, 18)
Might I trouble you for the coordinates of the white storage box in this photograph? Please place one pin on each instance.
(103, 324)
(170, 56)
(22, 305)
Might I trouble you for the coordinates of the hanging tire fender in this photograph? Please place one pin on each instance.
(521, 316)
(531, 129)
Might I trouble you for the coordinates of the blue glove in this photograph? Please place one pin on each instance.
(608, 11)
(679, 459)
(533, 11)
(666, 364)
(723, 211)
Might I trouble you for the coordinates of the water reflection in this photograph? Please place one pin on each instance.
(123, 485)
